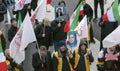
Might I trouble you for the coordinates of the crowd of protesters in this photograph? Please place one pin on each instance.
(52, 34)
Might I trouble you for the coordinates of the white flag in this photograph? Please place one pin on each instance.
(23, 37)
(112, 39)
(20, 4)
(40, 11)
(82, 28)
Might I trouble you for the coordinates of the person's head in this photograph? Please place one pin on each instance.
(84, 2)
(62, 45)
(83, 45)
(62, 3)
(59, 10)
(112, 48)
(14, 22)
(43, 50)
(7, 53)
(46, 21)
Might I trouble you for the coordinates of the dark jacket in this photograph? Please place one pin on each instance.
(3, 10)
(3, 41)
(11, 32)
(34, 4)
(82, 60)
(107, 65)
(47, 40)
(14, 65)
(61, 61)
(58, 32)
(106, 29)
(37, 62)
(87, 11)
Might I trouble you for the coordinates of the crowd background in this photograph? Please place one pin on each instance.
(95, 46)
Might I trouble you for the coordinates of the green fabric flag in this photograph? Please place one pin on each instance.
(76, 16)
(19, 20)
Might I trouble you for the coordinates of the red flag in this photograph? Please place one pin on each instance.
(67, 27)
(49, 1)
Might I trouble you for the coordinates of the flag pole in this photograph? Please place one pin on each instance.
(38, 49)
(88, 34)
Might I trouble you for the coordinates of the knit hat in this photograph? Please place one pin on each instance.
(61, 43)
(43, 48)
(82, 42)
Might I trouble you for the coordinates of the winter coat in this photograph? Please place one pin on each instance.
(61, 61)
(82, 60)
(106, 29)
(104, 64)
(3, 10)
(87, 11)
(58, 32)
(47, 40)
(11, 32)
(34, 4)
(39, 65)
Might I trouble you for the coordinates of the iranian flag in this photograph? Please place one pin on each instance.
(3, 65)
(112, 14)
(73, 21)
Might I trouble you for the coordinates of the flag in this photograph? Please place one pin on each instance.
(49, 1)
(23, 37)
(3, 65)
(39, 12)
(20, 4)
(19, 19)
(112, 39)
(73, 21)
(82, 28)
(112, 14)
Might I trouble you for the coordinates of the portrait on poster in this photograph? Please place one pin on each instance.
(59, 11)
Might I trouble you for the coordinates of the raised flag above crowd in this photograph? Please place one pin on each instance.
(22, 38)
(112, 14)
(82, 28)
(73, 21)
(20, 4)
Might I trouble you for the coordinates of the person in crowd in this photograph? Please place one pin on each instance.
(96, 2)
(87, 10)
(12, 65)
(5, 15)
(62, 58)
(26, 8)
(62, 2)
(108, 59)
(106, 29)
(58, 31)
(13, 29)
(10, 6)
(43, 33)
(41, 60)
(2, 41)
(82, 58)
(2, 12)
